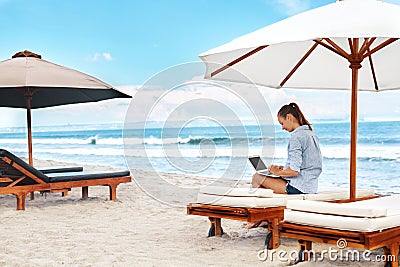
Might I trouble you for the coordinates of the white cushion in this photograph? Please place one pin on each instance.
(341, 222)
(367, 215)
(338, 193)
(239, 192)
(335, 208)
(390, 203)
(325, 193)
(375, 207)
(278, 200)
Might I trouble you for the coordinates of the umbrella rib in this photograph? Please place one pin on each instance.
(86, 95)
(366, 45)
(351, 46)
(379, 47)
(373, 71)
(331, 48)
(230, 64)
(337, 47)
(306, 55)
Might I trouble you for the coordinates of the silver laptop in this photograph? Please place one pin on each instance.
(260, 167)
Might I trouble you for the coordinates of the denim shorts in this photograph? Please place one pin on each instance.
(290, 190)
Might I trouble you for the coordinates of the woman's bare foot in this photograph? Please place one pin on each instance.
(251, 225)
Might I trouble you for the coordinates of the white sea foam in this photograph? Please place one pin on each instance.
(363, 152)
(66, 141)
(72, 151)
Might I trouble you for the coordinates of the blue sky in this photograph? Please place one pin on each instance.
(142, 37)
(125, 42)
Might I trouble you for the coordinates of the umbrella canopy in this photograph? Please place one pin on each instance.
(314, 50)
(27, 81)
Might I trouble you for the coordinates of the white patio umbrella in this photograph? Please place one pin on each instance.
(28, 81)
(347, 45)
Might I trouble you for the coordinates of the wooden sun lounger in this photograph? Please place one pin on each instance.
(19, 178)
(273, 215)
(389, 239)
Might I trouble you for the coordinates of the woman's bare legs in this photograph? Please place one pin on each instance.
(276, 184)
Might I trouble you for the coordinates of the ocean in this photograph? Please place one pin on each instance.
(215, 151)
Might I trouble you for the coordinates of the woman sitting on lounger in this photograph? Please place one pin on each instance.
(304, 163)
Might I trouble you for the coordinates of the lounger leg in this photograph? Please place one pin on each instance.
(304, 250)
(21, 201)
(85, 192)
(113, 192)
(392, 254)
(32, 195)
(274, 228)
(216, 228)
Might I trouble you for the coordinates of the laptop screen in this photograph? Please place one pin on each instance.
(257, 163)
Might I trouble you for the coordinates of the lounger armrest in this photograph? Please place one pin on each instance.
(53, 169)
(78, 176)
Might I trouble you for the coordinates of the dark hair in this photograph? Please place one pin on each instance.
(294, 109)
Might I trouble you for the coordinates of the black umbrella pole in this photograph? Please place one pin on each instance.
(29, 120)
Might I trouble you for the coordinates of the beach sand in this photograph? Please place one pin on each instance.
(135, 230)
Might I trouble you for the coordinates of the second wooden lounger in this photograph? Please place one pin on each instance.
(368, 224)
(19, 178)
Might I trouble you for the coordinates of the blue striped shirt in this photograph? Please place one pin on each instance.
(304, 156)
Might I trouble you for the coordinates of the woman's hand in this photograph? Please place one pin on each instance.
(274, 169)
(279, 171)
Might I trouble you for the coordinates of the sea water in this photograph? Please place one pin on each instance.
(217, 151)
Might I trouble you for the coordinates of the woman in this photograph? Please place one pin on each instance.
(304, 162)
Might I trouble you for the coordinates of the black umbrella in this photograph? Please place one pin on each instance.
(27, 81)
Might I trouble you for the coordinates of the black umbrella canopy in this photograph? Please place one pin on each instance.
(48, 84)
(57, 96)
(28, 81)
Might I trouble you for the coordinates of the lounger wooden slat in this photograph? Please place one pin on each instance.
(311, 231)
(389, 239)
(234, 213)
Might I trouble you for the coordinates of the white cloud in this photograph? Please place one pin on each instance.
(224, 104)
(198, 97)
(129, 89)
(101, 56)
(335, 104)
(107, 56)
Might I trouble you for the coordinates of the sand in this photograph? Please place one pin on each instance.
(135, 230)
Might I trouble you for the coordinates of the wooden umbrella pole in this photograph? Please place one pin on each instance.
(355, 65)
(353, 135)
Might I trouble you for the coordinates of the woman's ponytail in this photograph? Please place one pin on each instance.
(294, 109)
